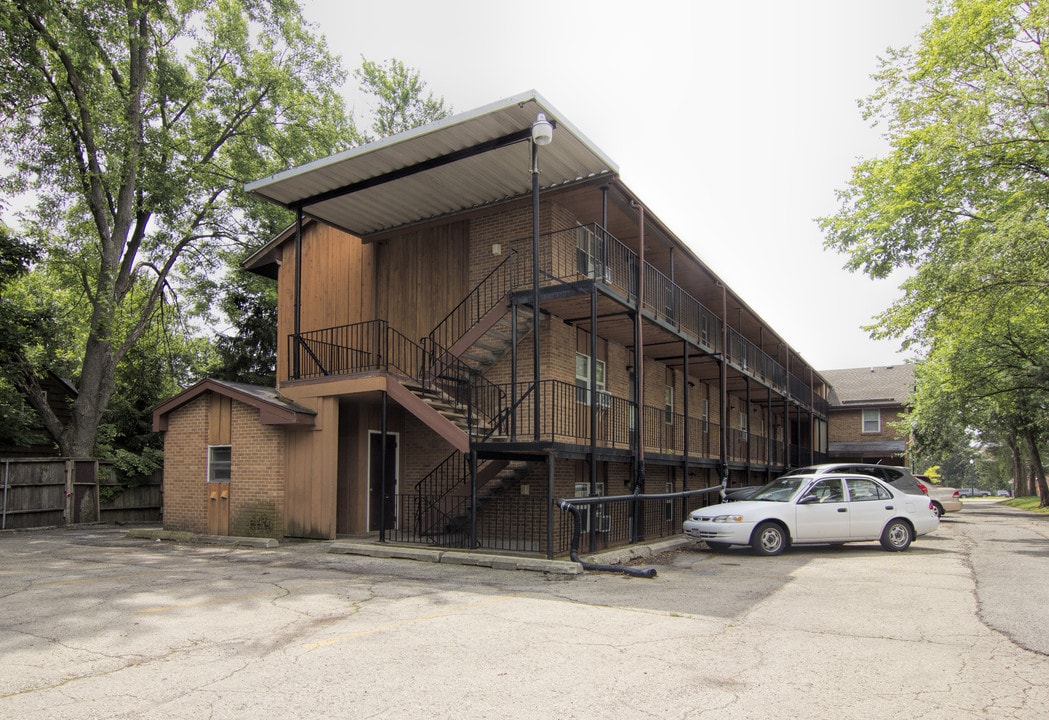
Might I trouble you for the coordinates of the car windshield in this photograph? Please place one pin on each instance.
(779, 490)
(800, 471)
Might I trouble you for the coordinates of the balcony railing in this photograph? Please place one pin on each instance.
(350, 349)
(589, 251)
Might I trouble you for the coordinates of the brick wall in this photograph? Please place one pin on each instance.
(186, 468)
(256, 486)
(847, 426)
(257, 476)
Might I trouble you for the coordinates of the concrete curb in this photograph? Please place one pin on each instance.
(188, 537)
(620, 556)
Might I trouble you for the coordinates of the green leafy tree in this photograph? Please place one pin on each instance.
(399, 94)
(961, 198)
(18, 328)
(135, 126)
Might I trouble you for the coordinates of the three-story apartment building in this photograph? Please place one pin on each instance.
(476, 319)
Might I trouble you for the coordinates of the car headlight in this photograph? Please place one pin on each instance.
(728, 518)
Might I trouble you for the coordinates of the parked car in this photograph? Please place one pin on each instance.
(1004, 493)
(973, 492)
(899, 477)
(944, 499)
(798, 509)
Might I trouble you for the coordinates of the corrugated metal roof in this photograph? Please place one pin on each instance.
(462, 162)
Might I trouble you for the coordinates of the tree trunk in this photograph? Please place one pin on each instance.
(1019, 476)
(1036, 467)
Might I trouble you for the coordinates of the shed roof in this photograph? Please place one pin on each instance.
(465, 161)
(871, 386)
(274, 408)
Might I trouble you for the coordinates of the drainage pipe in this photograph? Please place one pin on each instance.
(577, 522)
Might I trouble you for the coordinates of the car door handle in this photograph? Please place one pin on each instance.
(843, 509)
(890, 507)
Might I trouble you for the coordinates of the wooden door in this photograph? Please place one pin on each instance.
(218, 508)
(382, 497)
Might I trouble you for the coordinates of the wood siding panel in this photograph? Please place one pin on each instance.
(337, 285)
(422, 274)
(220, 419)
(311, 475)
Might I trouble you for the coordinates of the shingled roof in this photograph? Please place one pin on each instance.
(871, 386)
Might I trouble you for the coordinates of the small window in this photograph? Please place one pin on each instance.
(743, 426)
(705, 415)
(220, 461)
(668, 405)
(872, 421)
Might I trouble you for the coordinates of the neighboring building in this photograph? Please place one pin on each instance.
(424, 410)
(36, 442)
(866, 404)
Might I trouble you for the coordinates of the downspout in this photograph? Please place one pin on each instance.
(593, 400)
(723, 381)
(688, 416)
(550, 507)
(639, 349)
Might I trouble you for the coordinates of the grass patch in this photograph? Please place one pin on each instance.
(1026, 503)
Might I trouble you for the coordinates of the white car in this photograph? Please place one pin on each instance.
(813, 509)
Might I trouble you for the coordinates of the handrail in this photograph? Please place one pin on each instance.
(495, 285)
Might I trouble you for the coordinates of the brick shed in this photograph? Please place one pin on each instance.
(225, 449)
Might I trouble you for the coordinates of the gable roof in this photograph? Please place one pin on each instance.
(466, 161)
(871, 386)
(274, 408)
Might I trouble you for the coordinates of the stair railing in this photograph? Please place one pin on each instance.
(492, 288)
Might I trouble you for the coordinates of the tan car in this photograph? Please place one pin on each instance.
(944, 499)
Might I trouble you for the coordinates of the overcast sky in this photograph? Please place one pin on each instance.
(734, 122)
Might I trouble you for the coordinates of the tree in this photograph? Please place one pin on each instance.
(135, 126)
(962, 199)
(399, 94)
(18, 328)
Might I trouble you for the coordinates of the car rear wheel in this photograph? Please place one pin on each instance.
(896, 537)
(938, 509)
(769, 539)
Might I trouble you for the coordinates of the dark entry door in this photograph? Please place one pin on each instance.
(382, 501)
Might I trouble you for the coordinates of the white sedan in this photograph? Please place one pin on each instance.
(809, 509)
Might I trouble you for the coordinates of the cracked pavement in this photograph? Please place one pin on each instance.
(96, 625)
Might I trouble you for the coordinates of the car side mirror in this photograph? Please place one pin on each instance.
(808, 500)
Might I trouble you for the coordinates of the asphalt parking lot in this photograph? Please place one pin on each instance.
(94, 624)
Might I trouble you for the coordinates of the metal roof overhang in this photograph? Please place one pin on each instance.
(460, 163)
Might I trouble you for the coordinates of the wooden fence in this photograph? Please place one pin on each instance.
(46, 492)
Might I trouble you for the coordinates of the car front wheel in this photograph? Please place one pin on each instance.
(769, 539)
(896, 537)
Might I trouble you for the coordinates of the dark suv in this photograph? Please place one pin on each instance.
(899, 477)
